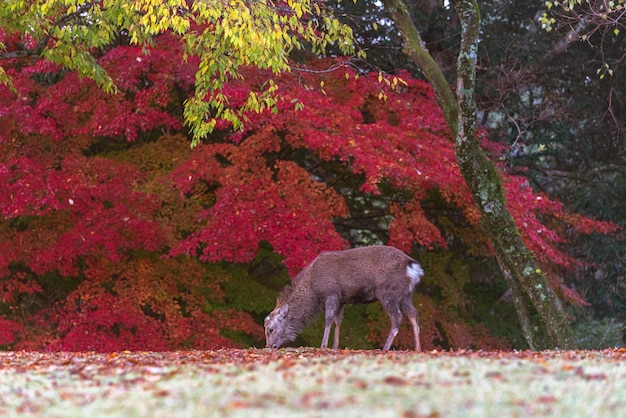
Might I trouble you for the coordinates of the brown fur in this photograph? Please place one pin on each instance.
(337, 278)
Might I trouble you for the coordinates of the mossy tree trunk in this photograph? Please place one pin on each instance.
(539, 310)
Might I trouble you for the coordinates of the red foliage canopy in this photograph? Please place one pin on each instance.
(80, 206)
(402, 140)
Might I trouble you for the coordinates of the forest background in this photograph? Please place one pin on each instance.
(116, 234)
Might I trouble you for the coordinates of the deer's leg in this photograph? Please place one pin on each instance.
(331, 307)
(338, 319)
(393, 310)
(410, 312)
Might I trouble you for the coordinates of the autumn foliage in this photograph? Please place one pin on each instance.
(114, 234)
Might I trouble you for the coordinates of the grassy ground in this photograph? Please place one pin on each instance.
(312, 383)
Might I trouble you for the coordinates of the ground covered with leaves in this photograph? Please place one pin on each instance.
(313, 382)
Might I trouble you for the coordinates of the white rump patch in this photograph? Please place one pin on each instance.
(415, 272)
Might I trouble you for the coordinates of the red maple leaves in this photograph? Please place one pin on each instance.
(101, 222)
(253, 202)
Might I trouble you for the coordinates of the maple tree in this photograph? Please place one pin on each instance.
(221, 38)
(81, 230)
(107, 213)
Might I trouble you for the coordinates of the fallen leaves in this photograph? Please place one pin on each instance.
(156, 363)
(290, 380)
(395, 381)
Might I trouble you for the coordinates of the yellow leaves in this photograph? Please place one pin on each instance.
(157, 17)
(608, 14)
(393, 83)
(298, 8)
(46, 6)
(245, 33)
(233, 15)
(547, 22)
(4, 79)
(604, 70)
(229, 34)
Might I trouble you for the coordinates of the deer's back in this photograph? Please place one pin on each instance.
(355, 275)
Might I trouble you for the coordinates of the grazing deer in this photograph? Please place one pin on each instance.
(337, 278)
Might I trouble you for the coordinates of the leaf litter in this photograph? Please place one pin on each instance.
(312, 382)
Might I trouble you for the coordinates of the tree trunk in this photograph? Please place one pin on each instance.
(539, 310)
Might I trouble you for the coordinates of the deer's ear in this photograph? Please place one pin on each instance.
(283, 310)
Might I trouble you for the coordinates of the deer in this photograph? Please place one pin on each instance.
(337, 278)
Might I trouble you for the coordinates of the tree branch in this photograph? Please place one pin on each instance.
(416, 49)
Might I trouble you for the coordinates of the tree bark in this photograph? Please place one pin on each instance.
(541, 315)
